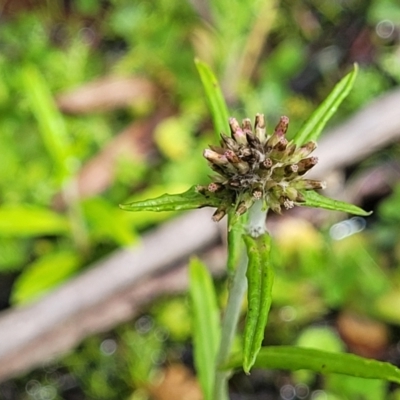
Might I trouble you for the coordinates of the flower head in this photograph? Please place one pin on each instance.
(251, 165)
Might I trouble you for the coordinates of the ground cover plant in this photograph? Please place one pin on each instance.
(66, 165)
(256, 172)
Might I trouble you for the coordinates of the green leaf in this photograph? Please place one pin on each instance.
(106, 222)
(174, 202)
(313, 127)
(313, 199)
(206, 331)
(295, 358)
(51, 123)
(145, 218)
(14, 254)
(142, 351)
(25, 221)
(43, 274)
(215, 99)
(260, 278)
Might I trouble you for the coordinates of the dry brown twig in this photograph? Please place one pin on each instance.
(107, 93)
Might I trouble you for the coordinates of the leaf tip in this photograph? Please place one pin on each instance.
(353, 74)
(198, 62)
(361, 212)
(247, 367)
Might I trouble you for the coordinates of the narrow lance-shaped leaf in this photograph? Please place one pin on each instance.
(43, 274)
(259, 296)
(51, 123)
(295, 358)
(174, 202)
(313, 127)
(27, 220)
(313, 199)
(215, 99)
(206, 332)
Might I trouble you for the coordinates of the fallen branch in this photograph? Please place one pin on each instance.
(106, 94)
(107, 294)
(372, 128)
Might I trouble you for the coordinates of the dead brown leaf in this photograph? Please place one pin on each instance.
(363, 336)
(178, 383)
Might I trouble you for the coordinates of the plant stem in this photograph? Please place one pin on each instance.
(256, 220)
(229, 322)
(75, 214)
(255, 227)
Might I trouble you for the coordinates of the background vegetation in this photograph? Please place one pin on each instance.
(334, 292)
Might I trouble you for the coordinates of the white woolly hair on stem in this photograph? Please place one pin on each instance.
(256, 219)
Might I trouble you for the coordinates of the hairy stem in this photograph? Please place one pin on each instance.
(256, 220)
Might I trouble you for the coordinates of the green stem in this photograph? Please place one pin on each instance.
(256, 227)
(75, 214)
(229, 323)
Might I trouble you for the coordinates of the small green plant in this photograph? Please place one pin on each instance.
(255, 172)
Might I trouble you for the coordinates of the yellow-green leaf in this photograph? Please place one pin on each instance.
(206, 331)
(295, 358)
(20, 220)
(215, 99)
(260, 278)
(313, 127)
(51, 123)
(174, 202)
(313, 199)
(44, 274)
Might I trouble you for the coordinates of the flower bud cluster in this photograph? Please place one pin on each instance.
(250, 166)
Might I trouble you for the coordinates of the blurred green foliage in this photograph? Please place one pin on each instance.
(272, 57)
